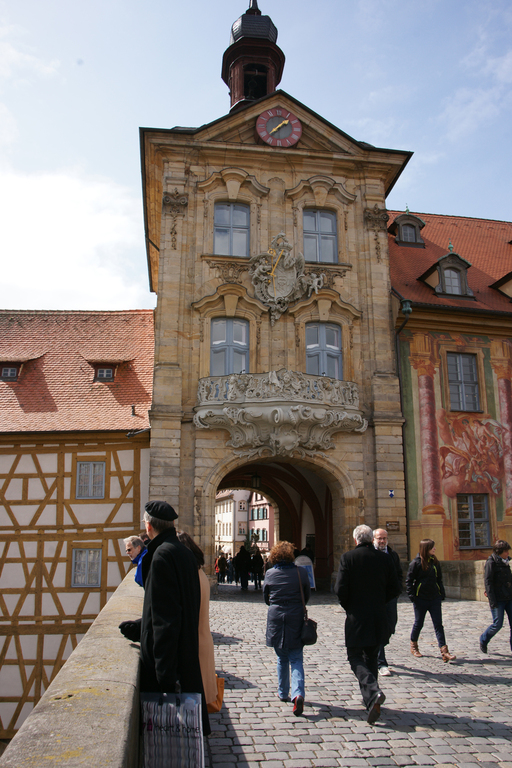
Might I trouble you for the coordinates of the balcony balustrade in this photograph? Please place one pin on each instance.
(279, 413)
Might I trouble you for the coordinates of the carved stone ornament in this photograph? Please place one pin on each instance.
(175, 204)
(279, 277)
(377, 219)
(280, 413)
(230, 271)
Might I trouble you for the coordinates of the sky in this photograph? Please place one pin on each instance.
(79, 77)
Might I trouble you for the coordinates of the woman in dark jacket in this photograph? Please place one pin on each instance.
(498, 588)
(282, 592)
(424, 584)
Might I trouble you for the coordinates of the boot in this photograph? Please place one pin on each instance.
(415, 650)
(446, 655)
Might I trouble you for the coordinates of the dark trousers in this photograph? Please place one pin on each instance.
(498, 615)
(421, 607)
(391, 619)
(257, 580)
(244, 579)
(363, 663)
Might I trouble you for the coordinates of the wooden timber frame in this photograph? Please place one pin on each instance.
(42, 616)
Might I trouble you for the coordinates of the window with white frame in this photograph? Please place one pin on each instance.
(473, 514)
(231, 230)
(86, 568)
(242, 506)
(323, 350)
(452, 281)
(90, 480)
(463, 382)
(320, 236)
(9, 372)
(229, 346)
(104, 373)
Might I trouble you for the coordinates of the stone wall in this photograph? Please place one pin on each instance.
(89, 714)
(464, 579)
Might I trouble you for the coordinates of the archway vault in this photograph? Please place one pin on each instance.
(303, 491)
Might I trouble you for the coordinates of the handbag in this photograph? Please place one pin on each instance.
(172, 729)
(308, 633)
(216, 706)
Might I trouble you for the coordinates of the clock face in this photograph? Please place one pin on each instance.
(278, 128)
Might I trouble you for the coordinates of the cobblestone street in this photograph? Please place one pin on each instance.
(435, 713)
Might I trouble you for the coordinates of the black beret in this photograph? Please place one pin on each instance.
(161, 509)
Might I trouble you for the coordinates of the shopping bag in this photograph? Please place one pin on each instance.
(216, 706)
(172, 730)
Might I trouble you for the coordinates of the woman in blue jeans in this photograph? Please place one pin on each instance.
(424, 584)
(282, 593)
(498, 588)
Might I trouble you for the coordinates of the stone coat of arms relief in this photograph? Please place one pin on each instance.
(279, 277)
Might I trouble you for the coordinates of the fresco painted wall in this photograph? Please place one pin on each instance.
(459, 462)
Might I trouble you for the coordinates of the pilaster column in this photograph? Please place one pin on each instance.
(501, 361)
(424, 360)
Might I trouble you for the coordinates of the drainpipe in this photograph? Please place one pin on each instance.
(406, 309)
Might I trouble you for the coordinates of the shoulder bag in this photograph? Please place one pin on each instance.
(308, 633)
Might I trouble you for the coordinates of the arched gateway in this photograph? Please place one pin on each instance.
(274, 339)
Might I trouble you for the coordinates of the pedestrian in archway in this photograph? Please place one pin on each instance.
(498, 588)
(424, 584)
(285, 618)
(257, 568)
(243, 565)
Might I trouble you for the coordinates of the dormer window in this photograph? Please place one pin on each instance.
(406, 229)
(104, 373)
(9, 372)
(452, 281)
(452, 275)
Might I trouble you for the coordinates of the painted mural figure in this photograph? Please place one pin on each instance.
(472, 454)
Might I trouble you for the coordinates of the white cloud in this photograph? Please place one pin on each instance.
(70, 242)
(16, 63)
(468, 109)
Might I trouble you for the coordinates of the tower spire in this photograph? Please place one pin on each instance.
(253, 64)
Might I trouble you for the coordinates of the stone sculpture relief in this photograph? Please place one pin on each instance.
(279, 277)
(280, 413)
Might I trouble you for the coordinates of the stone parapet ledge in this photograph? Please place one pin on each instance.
(89, 716)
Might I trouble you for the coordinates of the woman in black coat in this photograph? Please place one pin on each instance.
(424, 584)
(498, 588)
(282, 592)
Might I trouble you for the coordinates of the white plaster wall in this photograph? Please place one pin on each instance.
(48, 462)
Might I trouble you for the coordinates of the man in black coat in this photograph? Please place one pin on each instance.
(380, 541)
(366, 582)
(169, 634)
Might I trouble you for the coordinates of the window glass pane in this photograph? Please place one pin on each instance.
(332, 367)
(218, 362)
(221, 242)
(479, 506)
(240, 216)
(240, 242)
(452, 281)
(327, 222)
(309, 221)
(239, 332)
(310, 248)
(463, 505)
(313, 364)
(218, 331)
(94, 560)
(311, 336)
(408, 233)
(222, 215)
(455, 398)
(9, 373)
(79, 567)
(481, 534)
(468, 368)
(328, 249)
(464, 534)
(98, 479)
(105, 373)
(239, 359)
(83, 479)
(332, 336)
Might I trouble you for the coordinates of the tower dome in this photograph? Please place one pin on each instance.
(253, 64)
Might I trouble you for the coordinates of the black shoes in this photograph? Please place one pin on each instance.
(374, 711)
(298, 706)
(483, 647)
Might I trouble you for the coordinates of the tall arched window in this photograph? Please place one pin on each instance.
(229, 346)
(323, 350)
(231, 230)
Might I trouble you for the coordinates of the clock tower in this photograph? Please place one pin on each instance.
(253, 64)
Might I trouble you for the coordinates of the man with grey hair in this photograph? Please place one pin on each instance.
(136, 549)
(366, 582)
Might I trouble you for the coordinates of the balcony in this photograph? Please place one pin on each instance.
(279, 413)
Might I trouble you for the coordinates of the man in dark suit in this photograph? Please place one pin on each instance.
(366, 581)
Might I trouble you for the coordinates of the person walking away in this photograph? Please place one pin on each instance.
(380, 541)
(242, 565)
(206, 649)
(230, 570)
(424, 584)
(257, 568)
(136, 549)
(498, 588)
(285, 618)
(222, 565)
(366, 581)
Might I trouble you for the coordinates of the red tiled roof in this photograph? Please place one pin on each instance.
(56, 391)
(482, 242)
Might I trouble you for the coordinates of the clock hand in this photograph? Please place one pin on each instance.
(285, 122)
